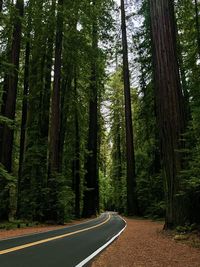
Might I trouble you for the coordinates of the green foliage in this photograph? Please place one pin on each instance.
(65, 201)
(6, 176)
(188, 38)
(187, 228)
(14, 224)
(116, 138)
(10, 123)
(57, 198)
(105, 191)
(156, 210)
(7, 183)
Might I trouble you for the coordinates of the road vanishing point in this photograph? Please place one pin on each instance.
(72, 246)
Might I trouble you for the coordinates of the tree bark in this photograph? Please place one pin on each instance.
(65, 92)
(1, 5)
(197, 27)
(23, 123)
(77, 179)
(55, 124)
(91, 194)
(11, 90)
(54, 157)
(132, 207)
(169, 104)
(24, 103)
(8, 109)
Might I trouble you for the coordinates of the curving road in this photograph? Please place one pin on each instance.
(72, 246)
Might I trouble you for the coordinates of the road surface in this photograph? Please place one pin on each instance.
(67, 247)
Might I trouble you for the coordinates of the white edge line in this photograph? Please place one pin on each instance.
(82, 263)
(52, 230)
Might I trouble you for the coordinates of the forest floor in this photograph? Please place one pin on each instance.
(145, 244)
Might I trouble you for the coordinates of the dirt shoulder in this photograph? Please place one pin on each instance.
(143, 244)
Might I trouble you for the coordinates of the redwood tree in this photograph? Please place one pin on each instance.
(91, 194)
(9, 106)
(132, 208)
(169, 104)
(1, 5)
(54, 157)
(54, 131)
(10, 89)
(24, 102)
(197, 26)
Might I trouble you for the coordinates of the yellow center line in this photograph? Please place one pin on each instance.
(51, 238)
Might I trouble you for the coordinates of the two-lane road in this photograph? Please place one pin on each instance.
(67, 247)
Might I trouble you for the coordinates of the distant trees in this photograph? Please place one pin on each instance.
(117, 171)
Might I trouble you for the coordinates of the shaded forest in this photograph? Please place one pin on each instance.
(99, 109)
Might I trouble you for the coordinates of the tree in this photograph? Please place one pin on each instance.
(9, 97)
(24, 105)
(197, 26)
(1, 5)
(76, 162)
(91, 194)
(55, 112)
(188, 41)
(11, 82)
(132, 208)
(169, 104)
(54, 151)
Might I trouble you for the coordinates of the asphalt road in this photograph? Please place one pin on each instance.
(66, 247)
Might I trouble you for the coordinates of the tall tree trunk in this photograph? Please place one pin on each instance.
(1, 5)
(11, 90)
(77, 157)
(91, 194)
(24, 120)
(117, 172)
(65, 95)
(54, 131)
(132, 207)
(170, 115)
(44, 125)
(24, 104)
(8, 107)
(54, 157)
(46, 93)
(70, 70)
(197, 26)
(77, 167)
